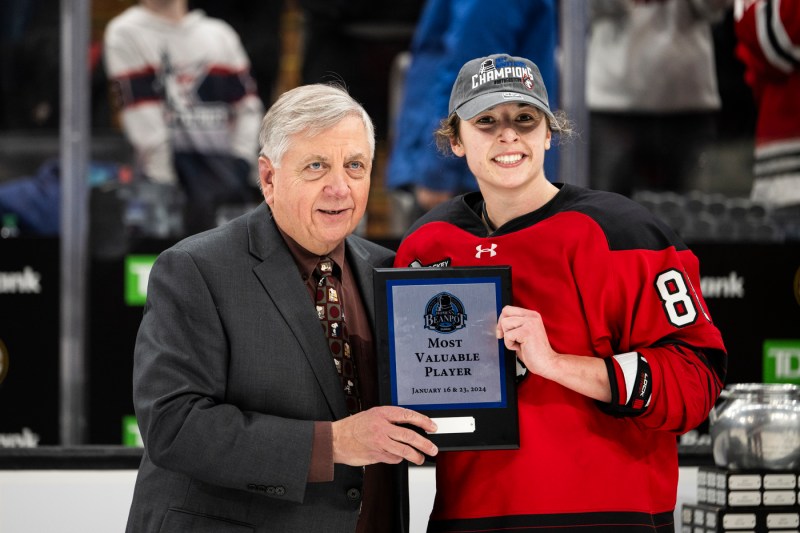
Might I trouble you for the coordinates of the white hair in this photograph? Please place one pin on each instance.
(309, 109)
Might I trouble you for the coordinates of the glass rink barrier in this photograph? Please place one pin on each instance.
(751, 290)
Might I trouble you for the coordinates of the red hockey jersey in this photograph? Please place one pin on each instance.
(611, 281)
(768, 34)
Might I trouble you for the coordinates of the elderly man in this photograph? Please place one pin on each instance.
(254, 372)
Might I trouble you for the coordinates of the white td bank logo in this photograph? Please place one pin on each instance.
(137, 273)
(26, 282)
(730, 286)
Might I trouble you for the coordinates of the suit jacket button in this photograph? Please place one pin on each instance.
(270, 490)
(353, 494)
(280, 491)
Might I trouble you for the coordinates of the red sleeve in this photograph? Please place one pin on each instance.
(768, 36)
(645, 308)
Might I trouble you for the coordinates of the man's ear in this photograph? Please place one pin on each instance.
(456, 147)
(266, 174)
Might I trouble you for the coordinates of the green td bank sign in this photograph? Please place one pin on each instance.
(137, 272)
(782, 361)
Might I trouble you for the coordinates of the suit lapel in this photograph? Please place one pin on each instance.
(279, 277)
(362, 272)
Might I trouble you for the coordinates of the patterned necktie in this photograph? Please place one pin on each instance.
(329, 311)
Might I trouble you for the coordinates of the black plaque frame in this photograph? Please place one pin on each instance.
(495, 422)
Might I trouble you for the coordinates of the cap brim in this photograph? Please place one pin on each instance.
(483, 102)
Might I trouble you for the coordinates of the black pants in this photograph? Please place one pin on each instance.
(663, 152)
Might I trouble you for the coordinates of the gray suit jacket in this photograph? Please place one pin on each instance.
(231, 369)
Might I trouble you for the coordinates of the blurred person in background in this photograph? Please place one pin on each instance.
(258, 25)
(353, 42)
(189, 105)
(449, 33)
(769, 46)
(652, 93)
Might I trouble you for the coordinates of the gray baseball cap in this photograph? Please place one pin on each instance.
(497, 79)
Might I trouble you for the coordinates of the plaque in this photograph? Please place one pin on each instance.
(438, 353)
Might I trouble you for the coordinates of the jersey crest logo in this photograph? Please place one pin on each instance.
(442, 263)
(490, 250)
(445, 313)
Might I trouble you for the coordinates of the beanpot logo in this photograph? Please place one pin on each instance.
(445, 313)
(137, 273)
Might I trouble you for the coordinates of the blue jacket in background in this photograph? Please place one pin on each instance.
(450, 33)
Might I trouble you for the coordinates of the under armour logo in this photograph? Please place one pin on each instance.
(490, 251)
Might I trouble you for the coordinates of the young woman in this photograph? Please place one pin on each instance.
(620, 353)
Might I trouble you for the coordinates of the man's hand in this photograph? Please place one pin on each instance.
(373, 436)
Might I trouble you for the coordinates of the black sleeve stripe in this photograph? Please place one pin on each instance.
(714, 360)
(641, 390)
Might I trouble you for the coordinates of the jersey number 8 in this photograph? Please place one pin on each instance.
(676, 299)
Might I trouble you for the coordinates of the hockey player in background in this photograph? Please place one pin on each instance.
(769, 46)
(188, 104)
